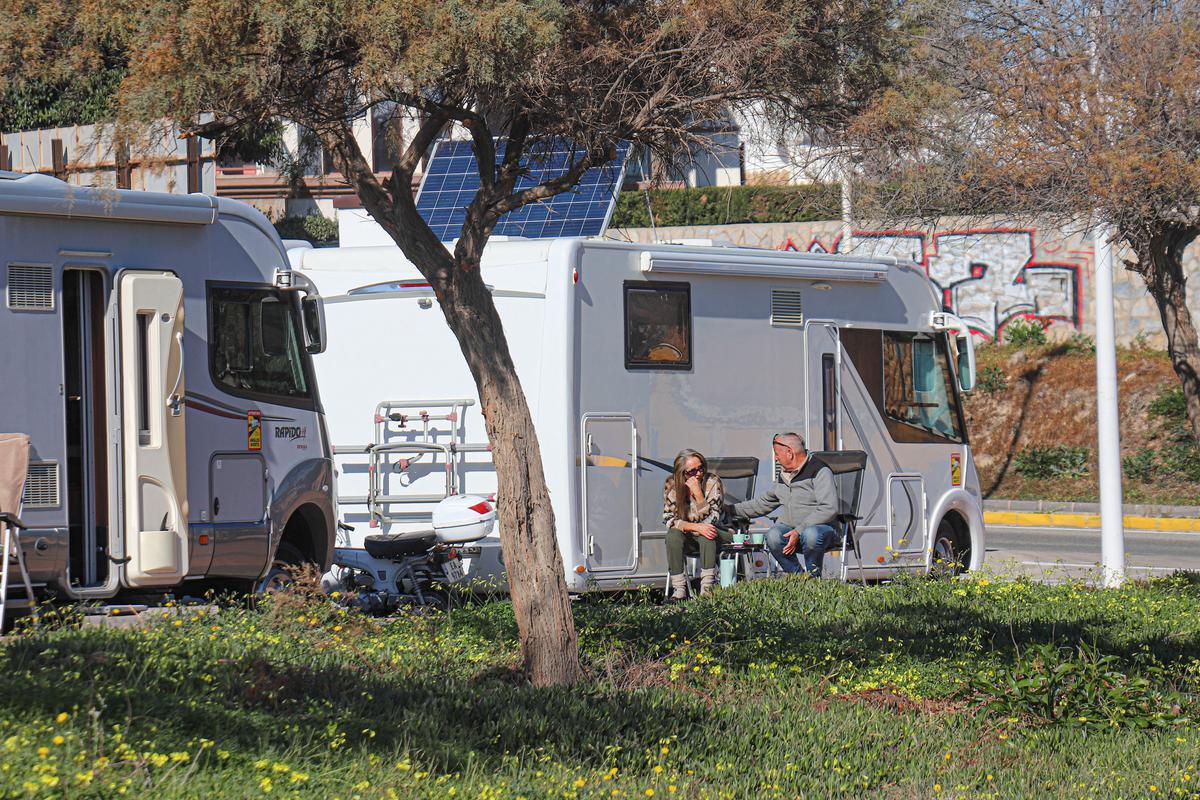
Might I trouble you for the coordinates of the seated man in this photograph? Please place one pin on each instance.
(808, 499)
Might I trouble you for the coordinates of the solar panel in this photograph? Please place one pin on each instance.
(451, 180)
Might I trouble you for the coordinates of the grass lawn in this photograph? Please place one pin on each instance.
(784, 688)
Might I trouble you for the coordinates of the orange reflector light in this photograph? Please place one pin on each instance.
(879, 559)
(581, 569)
(203, 538)
(757, 564)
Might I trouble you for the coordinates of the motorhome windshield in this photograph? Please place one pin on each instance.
(254, 344)
(919, 389)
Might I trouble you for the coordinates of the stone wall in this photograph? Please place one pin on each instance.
(989, 273)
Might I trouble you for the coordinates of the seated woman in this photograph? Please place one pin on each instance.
(691, 509)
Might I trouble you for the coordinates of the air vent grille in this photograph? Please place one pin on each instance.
(30, 287)
(41, 486)
(786, 311)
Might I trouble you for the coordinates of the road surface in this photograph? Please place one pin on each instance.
(1059, 553)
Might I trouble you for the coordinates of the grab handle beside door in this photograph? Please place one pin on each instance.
(174, 401)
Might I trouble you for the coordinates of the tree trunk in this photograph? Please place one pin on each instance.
(528, 542)
(1160, 263)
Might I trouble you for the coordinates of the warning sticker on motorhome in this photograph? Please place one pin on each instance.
(254, 430)
(956, 469)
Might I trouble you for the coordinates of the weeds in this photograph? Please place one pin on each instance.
(991, 379)
(1054, 461)
(1079, 343)
(1025, 333)
(1170, 405)
(1141, 466)
(1079, 686)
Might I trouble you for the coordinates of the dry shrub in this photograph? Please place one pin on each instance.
(626, 671)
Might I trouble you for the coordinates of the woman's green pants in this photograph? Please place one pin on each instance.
(677, 541)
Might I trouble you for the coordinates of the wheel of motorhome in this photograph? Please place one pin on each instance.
(282, 572)
(158, 352)
(950, 549)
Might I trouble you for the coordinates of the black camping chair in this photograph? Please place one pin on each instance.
(737, 474)
(848, 467)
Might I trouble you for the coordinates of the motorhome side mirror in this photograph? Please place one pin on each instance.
(273, 327)
(312, 311)
(966, 362)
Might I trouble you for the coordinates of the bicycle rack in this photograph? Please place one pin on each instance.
(413, 417)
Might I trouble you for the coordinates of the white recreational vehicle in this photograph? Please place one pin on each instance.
(629, 353)
(156, 350)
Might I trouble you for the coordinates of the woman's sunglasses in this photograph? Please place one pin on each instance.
(696, 471)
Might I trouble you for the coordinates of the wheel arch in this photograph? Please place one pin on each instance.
(965, 513)
(308, 530)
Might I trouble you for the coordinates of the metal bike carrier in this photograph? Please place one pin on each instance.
(412, 417)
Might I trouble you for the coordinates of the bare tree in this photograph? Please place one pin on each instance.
(502, 71)
(1079, 110)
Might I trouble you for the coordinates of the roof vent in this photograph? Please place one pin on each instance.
(30, 287)
(41, 485)
(786, 309)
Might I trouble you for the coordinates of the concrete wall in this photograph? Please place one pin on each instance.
(990, 273)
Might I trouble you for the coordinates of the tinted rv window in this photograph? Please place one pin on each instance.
(254, 344)
(918, 386)
(658, 326)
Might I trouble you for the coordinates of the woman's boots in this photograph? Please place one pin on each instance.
(679, 585)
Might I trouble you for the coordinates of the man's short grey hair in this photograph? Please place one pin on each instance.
(792, 440)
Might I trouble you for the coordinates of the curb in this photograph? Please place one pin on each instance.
(1033, 519)
(1067, 507)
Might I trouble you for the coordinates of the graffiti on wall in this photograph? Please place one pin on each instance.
(987, 276)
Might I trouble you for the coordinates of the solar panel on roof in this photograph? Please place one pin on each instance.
(451, 180)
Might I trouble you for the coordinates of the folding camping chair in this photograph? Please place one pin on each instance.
(14, 465)
(848, 467)
(737, 474)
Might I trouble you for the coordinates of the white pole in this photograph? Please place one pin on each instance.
(1112, 524)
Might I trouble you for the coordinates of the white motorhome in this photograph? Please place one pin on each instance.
(629, 353)
(157, 351)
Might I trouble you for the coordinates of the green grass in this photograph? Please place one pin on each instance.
(782, 688)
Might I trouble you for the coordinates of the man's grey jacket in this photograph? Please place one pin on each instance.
(809, 498)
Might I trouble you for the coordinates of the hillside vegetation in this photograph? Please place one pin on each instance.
(782, 688)
(1032, 424)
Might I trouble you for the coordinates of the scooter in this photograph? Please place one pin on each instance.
(416, 568)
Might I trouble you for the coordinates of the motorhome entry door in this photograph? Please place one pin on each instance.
(152, 424)
(609, 491)
(823, 396)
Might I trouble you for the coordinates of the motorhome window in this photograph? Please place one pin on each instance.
(918, 387)
(829, 396)
(144, 321)
(658, 326)
(254, 343)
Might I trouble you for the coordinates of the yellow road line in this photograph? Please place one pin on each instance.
(1031, 519)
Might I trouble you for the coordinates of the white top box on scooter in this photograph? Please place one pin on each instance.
(463, 518)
